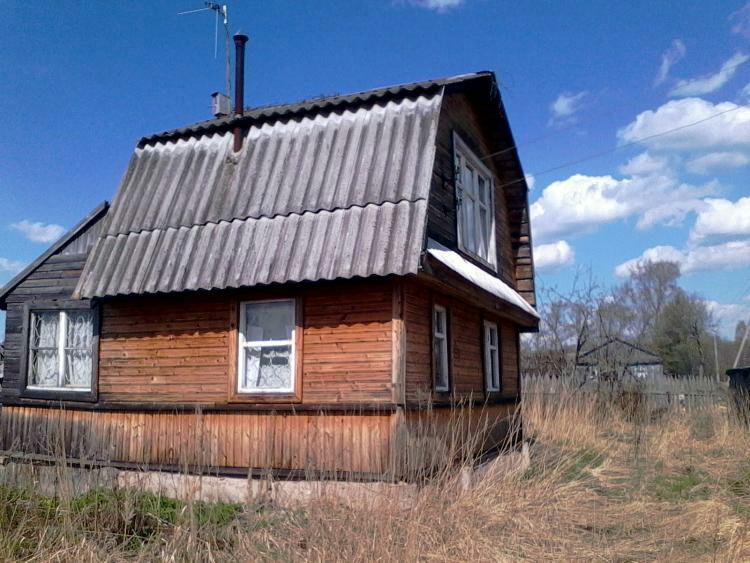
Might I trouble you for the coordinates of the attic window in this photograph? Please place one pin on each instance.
(266, 347)
(474, 194)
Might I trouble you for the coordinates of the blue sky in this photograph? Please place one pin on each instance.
(83, 81)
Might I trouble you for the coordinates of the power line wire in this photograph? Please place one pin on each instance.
(586, 119)
(613, 149)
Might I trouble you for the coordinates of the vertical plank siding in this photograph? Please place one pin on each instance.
(296, 441)
(432, 439)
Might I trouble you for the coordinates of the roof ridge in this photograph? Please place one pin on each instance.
(309, 104)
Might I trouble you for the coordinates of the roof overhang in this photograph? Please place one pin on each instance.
(62, 242)
(507, 301)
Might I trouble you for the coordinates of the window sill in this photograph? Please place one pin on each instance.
(287, 397)
(478, 259)
(80, 396)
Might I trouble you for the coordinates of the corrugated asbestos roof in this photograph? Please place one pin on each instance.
(312, 195)
(318, 105)
(359, 241)
(314, 163)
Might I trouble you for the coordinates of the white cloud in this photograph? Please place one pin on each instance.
(716, 161)
(655, 254)
(530, 181)
(438, 5)
(10, 266)
(38, 232)
(741, 21)
(669, 58)
(728, 315)
(721, 217)
(711, 82)
(672, 213)
(726, 256)
(553, 256)
(576, 205)
(580, 203)
(565, 107)
(645, 164)
(730, 128)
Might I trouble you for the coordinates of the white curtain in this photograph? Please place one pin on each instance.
(268, 367)
(76, 352)
(44, 354)
(78, 357)
(268, 334)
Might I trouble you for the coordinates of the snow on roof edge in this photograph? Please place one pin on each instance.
(479, 277)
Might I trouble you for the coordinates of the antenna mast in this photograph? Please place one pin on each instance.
(219, 10)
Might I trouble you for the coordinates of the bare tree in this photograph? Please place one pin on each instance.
(649, 288)
(567, 327)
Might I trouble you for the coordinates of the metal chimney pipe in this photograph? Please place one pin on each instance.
(239, 85)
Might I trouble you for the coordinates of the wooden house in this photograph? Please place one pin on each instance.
(284, 289)
(616, 359)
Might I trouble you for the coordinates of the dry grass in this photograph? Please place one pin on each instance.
(613, 477)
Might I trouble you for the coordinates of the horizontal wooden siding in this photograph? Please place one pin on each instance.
(178, 348)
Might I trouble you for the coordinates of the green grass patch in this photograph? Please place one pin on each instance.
(145, 514)
(129, 520)
(578, 466)
(689, 484)
(740, 486)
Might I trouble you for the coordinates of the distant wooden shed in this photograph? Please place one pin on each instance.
(616, 359)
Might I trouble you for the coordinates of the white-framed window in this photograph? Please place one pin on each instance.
(266, 347)
(491, 356)
(61, 350)
(440, 348)
(474, 194)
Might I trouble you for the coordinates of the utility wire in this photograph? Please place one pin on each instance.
(561, 129)
(613, 149)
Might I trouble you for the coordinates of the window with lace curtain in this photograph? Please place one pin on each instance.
(266, 347)
(61, 350)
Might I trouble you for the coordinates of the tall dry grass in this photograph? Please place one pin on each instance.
(616, 474)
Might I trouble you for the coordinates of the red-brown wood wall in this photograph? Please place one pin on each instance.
(466, 355)
(180, 348)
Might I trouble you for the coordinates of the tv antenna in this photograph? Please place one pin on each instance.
(219, 10)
